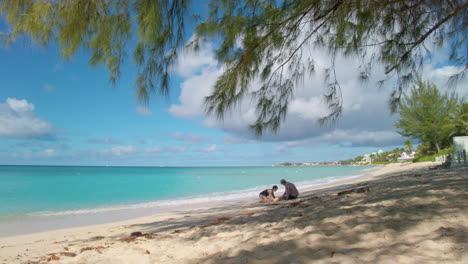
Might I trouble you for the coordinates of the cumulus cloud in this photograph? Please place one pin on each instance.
(189, 62)
(440, 77)
(18, 120)
(347, 138)
(366, 119)
(193, 92)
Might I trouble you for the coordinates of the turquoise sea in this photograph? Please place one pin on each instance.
(39, 191)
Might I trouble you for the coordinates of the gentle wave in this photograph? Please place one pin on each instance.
(240, 195)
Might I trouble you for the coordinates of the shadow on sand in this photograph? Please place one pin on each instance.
(394, 206)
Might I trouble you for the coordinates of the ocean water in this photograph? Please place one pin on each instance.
(29, 191)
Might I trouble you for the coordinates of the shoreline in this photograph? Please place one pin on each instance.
(40, 223)
(410, 214)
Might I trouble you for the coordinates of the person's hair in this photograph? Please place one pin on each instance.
(274, 187)
(283, 181)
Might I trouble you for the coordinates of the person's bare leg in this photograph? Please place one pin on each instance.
(264, 198)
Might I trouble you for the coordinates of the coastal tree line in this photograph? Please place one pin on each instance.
(429, 117)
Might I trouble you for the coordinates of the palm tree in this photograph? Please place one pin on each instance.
(408, 146)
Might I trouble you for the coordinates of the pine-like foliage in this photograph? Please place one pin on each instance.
(260, 41)
(425, 114)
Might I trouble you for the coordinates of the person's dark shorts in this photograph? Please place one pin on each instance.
(290, 197)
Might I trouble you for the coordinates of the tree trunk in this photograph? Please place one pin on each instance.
(438, 147)
(436, 144)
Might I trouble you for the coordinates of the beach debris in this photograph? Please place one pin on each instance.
(332, 254)
(98, 249)
(248, 214)
(426, 182)
(355, 190)
(53, 257)
(67, 254)
(150, 236)
(295, 204)
(148, 252)
(136, 234)
(220, 220)
(128, 239)
(97, 238)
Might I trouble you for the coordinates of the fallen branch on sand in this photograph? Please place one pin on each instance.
(364, 189)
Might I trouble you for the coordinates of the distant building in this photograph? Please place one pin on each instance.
(405, 156)
(366, 159)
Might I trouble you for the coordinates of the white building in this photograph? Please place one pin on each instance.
(366, 159)
(405, 156)
(460, 149)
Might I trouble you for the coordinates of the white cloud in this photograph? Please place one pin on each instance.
(311, 108)
(212, 148)
(193, 92)
(366, 118)
(189, 62)
(119, 151)
(228, 139)
(190, 138)
(42, 154)
(106, 141)
(49, 152)
(144, 111)
(349, 138)
(18, 120)
(165, 149)
(440, 77)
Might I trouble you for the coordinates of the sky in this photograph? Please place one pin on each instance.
(64, 112)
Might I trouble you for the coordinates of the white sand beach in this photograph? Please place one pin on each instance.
(407, 213)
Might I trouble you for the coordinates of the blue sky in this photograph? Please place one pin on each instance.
(57, 112)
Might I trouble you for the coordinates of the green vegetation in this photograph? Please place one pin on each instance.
(261, 41)
(431, 118)
(425, 115)
(432, 157)
(460, 120)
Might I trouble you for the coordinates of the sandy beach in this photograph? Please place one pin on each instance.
(399, 213)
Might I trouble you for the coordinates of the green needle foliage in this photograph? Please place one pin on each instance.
(425, 115)
(460, 120)
(261, 42)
